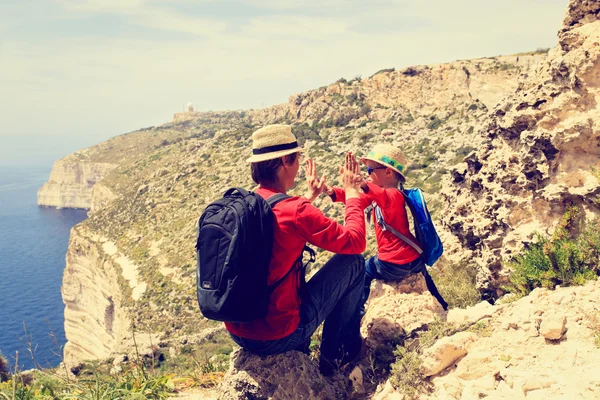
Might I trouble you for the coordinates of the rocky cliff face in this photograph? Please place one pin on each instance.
(95, 317)
(396, 94)
(71, 182)
(540, 155)
(101, 197)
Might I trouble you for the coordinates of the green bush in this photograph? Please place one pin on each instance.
(570, 256)
(305, 132)
(382, 71)
(4, 368)
(406, 373)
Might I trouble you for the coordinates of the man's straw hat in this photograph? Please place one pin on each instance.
(388, 155)
(273, 141)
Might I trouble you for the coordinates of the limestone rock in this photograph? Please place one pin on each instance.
(388, 393)
(395, 309)
(553, 327)
(291, 375)
(95, 319)
(71, 182)
(479, 364)
(520, 362)
(472, 314)
(539, 145)
(445, 352)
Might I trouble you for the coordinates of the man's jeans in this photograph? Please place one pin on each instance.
(332, 295)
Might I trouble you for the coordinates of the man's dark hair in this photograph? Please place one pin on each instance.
(265, 172)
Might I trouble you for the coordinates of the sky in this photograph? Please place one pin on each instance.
(76, 72)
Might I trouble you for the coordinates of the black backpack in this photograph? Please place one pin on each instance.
(234, 249)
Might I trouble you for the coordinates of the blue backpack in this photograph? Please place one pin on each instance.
(431, 245)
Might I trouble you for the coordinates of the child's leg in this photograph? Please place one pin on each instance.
(370, 274)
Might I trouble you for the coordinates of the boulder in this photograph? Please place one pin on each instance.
(553, 327)
(398, 308)
(291, 375)
(445, 352)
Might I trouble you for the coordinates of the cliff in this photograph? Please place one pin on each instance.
(95, 317)
(540, 154)
(71, 182)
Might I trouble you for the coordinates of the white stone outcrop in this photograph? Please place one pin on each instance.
(395, 309)
(446, 351)
(71, 182)
(471, 315)
(95, 318)
(541, 146)
(553, 327)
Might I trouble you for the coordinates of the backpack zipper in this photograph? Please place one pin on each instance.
(219, 228)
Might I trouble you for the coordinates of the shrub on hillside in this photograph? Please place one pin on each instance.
(406, 373)
(570, 256)
(383, 71)
(304, 132)
(457, 284)
(4, 368)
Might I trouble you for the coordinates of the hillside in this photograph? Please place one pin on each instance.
(139, 239)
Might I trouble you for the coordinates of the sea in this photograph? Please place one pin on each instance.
(33, 246)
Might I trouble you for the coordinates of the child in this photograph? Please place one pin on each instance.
(395, 259)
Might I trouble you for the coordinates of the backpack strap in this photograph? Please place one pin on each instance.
(386, 227)
(272, 201)
(433, 289)
(298, 261)
(276, 198)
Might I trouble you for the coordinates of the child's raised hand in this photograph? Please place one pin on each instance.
(350, 173)
(315, 185)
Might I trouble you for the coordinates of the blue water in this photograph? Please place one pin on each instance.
(33, 245)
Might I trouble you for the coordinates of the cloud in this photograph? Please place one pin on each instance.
(108, 6)
(148, 14)
(117, 76)
(296, 28)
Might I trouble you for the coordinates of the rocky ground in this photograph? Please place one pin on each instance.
(545, 345)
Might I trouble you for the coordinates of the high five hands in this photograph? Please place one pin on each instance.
(350, 177)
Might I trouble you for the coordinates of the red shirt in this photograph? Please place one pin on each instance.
(298, 222)
(390, 248)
